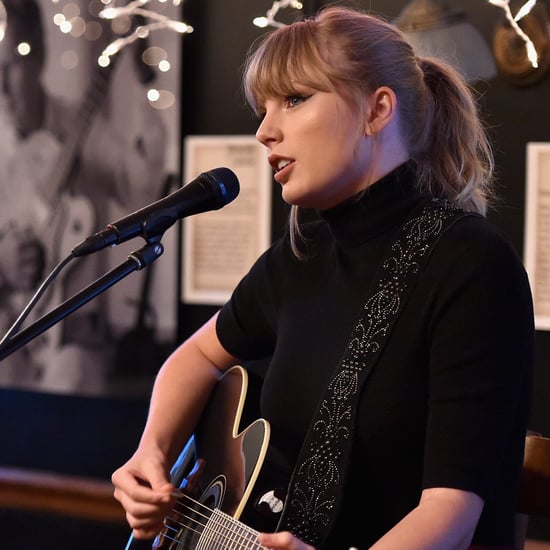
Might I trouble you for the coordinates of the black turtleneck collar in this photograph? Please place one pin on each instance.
(380, 207)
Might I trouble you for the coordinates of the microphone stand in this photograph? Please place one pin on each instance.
(136, 261)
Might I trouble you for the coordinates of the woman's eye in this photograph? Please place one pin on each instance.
(294, 100)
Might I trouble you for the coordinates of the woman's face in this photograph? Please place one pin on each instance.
(317, 147)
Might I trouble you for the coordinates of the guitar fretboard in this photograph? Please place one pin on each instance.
(224, 531)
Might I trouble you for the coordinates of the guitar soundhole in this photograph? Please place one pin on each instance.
(212, 496)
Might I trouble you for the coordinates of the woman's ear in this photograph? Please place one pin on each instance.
(381, 110)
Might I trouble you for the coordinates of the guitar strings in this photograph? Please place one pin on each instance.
(215, 523)
(219, 534)
(216, 536)
(217, 518)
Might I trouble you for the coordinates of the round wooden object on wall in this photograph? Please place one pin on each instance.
(510, 51)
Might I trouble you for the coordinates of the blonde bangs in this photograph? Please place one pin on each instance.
(283, 59)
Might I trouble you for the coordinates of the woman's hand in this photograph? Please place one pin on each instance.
(145, 492)
(282, 541)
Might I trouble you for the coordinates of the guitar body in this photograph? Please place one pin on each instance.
(216, 473)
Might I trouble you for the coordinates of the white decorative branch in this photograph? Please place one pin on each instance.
(156, 22)
(269, 20)
(532, 54)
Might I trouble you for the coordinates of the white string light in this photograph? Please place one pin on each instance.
(269, 19)
(524, 10)
(156, 22)
(3, 20)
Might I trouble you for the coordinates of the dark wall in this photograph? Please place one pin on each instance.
(92, 437)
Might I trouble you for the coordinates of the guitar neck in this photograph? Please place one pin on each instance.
(227, 532)
(221, 531)
(73, 141)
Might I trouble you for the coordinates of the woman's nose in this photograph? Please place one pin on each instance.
(268, 131)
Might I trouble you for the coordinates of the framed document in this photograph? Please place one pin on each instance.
(537, 230)
(219, 247)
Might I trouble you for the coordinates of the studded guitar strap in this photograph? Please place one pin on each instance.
(313, 498)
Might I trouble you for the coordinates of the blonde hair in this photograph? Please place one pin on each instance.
(352, 53)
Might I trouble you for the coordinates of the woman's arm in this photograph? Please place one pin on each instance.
(445, 519)
(180, 393)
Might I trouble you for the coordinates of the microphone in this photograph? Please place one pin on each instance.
(209, 191)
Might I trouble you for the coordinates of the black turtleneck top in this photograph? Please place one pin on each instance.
(447, 404)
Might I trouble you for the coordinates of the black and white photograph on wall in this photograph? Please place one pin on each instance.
(89, 122)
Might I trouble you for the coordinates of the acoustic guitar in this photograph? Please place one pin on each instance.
(217, 473)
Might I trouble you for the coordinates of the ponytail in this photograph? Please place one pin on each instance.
(455, 160)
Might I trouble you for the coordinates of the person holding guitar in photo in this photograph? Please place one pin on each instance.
(395, 330)
(67, 169)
